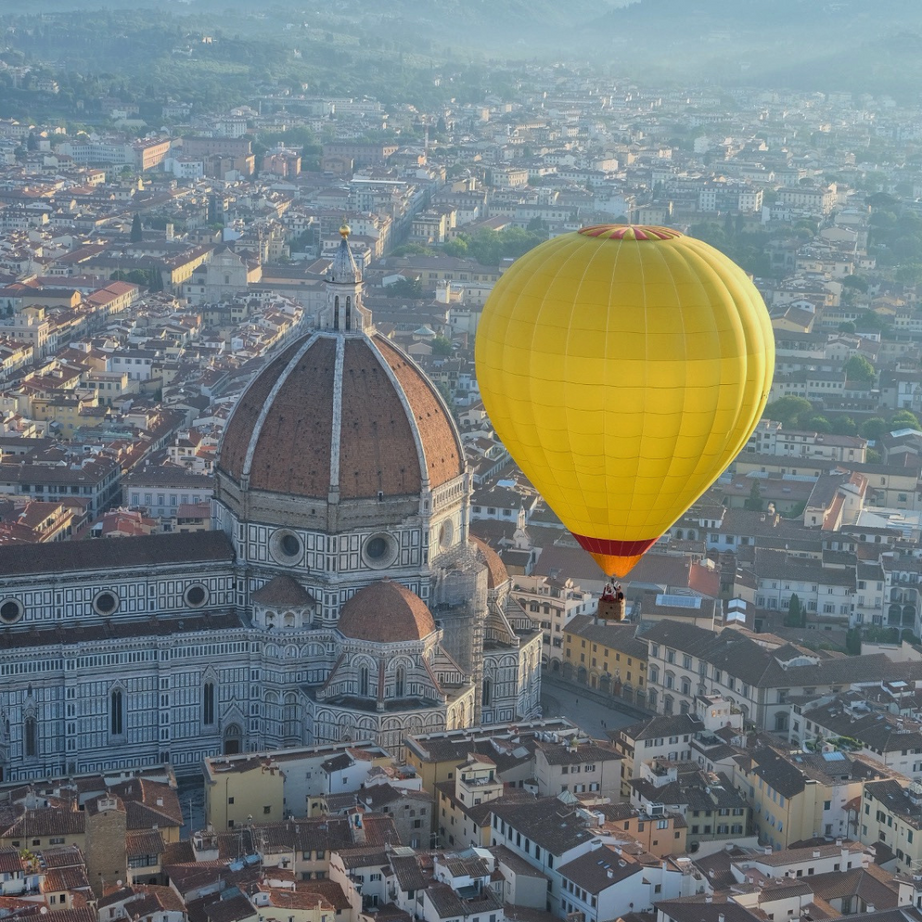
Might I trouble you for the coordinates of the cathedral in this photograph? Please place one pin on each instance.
(339, 597)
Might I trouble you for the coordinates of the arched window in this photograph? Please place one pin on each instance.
(363, 681)
(348, 313)
(653, 675)
(487, 695)
(232, 737)
(336, 313)
(208, 704)
(400, 682)
(117, 713)
(30, 737)
(686, 687)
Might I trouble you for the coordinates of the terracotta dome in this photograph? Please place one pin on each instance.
(282, 590)
(386, 612)
(352, 414)
(497, 574)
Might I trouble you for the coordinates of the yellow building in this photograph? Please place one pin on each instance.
(436, 756)
(801, 795)
(463, 818)
(239, 792)
(892, 814)
(661, 835)
(606, 656)
(70, 413)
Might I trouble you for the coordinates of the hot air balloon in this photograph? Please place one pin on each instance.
(623, 367)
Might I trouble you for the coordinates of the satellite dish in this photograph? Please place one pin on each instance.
(118, 883)
(44, 910)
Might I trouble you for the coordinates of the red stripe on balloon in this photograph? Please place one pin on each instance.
(629, 232)
(614, 548)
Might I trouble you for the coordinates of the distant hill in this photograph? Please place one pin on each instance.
(843, 44)
(852, 45)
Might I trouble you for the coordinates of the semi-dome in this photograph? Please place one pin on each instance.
(386, 612)
(497, 574)
(351, 415)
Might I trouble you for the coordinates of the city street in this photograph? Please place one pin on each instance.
(584, 708)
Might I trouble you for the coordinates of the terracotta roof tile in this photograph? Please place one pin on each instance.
(290, 447)
(386, 612)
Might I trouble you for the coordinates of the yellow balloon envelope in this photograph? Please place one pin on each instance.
(624, 367)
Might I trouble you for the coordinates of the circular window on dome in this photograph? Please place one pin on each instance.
(380, 551)
(285, 547)
(10, 611)
(196, 596)
(105, 602)
(446, 534)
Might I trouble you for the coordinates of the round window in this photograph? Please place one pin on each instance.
(285, 547)
(376, 547)
(379, 551)
(10, 611)
(105, 603)
(196, 596)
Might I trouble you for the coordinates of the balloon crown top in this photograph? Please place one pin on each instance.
(344, 230)
(629, 232)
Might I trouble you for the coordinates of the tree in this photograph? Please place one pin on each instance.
(754, 502)
(137, 234)
(857, 282)
(411, 289)
(797, 614)
(909, 274)
(873, 428)
(903, 419)
(853, 642)
(441, 345)
(789, 410)
(816, 423)
(858, 368)
(844, 425)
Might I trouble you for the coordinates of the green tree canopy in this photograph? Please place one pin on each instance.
(789, 410)
(844, 425)
(441, 345)
(797, 614)
(137, 233)
(411, 289)
(903, 419)
(857, 282)
(754, 501)
(873, 428)
(858, 368)
(817, 423)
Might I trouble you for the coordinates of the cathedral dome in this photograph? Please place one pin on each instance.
(497, 574)
(386, 612)
(347, 415)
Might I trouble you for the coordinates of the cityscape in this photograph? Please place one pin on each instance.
(288, 631)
